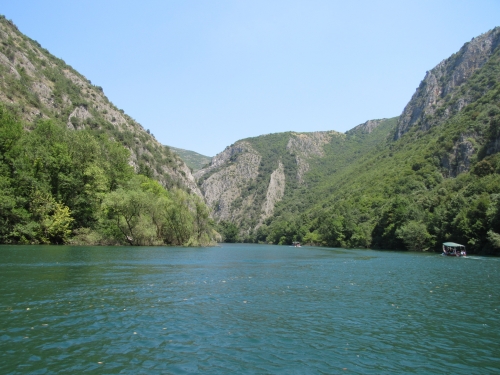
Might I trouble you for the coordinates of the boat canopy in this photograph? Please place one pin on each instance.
(452, 244)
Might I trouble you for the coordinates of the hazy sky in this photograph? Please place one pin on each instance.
(204, 74)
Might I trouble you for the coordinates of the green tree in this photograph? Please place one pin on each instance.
(50, 221)
(229, 231)
(415, 236)
(130, 210)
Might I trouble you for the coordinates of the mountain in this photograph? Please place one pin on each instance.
(193, 160)
(74, 169)
(38, 85)
(428, 176)
(244, 183)
(447, 88)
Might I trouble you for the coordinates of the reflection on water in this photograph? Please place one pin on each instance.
(246, 309)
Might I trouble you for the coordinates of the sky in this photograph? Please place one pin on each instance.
(201, 75)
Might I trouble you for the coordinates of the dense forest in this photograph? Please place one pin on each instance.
(62, 186)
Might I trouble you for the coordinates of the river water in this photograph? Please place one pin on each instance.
(246, 309)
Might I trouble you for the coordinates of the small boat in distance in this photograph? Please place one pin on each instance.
(453, 249)
(296, 244)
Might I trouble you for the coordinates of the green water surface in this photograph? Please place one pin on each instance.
(246, 309)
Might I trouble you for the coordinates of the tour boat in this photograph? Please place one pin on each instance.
(453, 249)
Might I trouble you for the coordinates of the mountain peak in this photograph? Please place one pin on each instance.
(444, 82)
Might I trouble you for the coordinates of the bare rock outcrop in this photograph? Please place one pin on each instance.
(366, 127)
(459, 160)
(239, 164)
(44, 92)
(305, 146)
(275, 191)
(225, 156)
(76, 118)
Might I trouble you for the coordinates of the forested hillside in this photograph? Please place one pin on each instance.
(432, 175)
(37, 85)
(75, 169)
(257, 179)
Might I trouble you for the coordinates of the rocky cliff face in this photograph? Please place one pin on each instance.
(39, 85)
(442, 93)
(305, 146)
(228, 174)
(275, 191)
(246, 181)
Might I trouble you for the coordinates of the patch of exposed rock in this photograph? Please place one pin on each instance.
(4, 60)
(76, 118)
(275, 191)
(44, 92)
(309, 144)
(305, 146)
(240, 164)
(183, 173)
(225, 156)
(459, 160)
